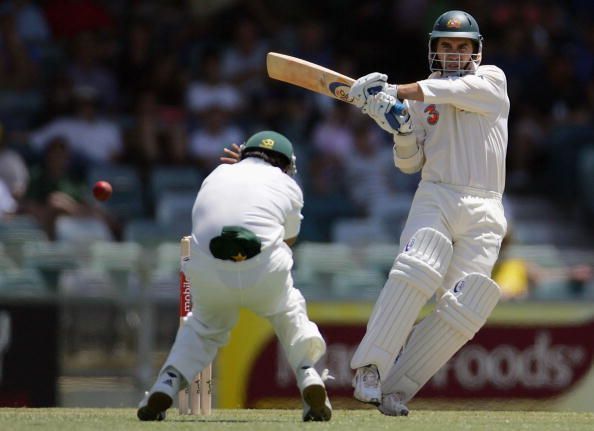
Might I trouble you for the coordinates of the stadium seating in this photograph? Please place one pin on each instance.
(50, 259)
(174, 179)
(81, 229)
(23, 282)
(174, 211)
(357, 232)
(13, 238)
(147, 232)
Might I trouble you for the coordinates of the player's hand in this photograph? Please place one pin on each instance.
(367, 86)
(232, 156)
(389, 113)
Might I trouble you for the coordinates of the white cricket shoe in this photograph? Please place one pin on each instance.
(156, 401)
(392, 405)
(316, 405)
(367, 385)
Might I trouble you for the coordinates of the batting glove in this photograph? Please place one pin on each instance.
(367, 86)
(389, 113)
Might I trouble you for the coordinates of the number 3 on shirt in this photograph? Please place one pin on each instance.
(433, 114)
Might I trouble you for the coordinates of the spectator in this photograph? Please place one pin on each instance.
(212, 88)
(333, 135)
(325, 192)
(150, 140)
(86, 70)
(520, 278)
(312, 44)
(243, 61)
(54, 190)
(94, 139)
(168, 82)
(525, 157)
(8, 205)
(369, 169)
(13, 170)
(30, 21)
(137, 58)
(216, 133)
(17, 70)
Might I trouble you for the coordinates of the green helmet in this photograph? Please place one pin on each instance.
(455, 23)
(272, 142)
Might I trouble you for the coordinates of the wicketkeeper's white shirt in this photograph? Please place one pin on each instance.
(252, 194)
(462, 148)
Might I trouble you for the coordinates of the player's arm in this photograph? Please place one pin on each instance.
(407, 151)
(292, 224)
(483, 94)
(410, 92)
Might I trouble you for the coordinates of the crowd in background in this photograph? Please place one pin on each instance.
(86, 85)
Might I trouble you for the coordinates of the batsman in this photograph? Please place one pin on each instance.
(245, 218)
(453, 127)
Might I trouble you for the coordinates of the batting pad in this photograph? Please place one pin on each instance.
(417, 273)
(460, 313)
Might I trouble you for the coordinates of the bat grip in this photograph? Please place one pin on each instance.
(394, 114)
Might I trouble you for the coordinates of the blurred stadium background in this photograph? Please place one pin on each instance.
(145, 94)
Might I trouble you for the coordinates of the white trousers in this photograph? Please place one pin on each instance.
(475, 223)
(472, 219)
(263, 285)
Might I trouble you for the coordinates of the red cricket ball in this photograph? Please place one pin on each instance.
(102, 190)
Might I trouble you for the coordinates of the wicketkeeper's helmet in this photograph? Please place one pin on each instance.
(272, 142)
(459, 24)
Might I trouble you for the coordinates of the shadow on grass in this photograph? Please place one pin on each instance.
(224, 421)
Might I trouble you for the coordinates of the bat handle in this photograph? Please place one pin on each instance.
(394, 115)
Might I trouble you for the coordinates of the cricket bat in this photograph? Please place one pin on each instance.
(319, 79)
(308, 75)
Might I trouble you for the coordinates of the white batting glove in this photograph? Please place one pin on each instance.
(367, 86)
(389, 113)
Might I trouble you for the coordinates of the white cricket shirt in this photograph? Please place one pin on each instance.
(462, 125)
(252, 194)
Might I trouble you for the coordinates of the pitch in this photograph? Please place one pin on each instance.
(78, 419)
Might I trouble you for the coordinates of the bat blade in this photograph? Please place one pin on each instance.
(308, 75)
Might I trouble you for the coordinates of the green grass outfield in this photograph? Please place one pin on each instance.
(78, 419)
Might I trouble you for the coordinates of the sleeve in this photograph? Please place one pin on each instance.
(293, 220)
(483, 92)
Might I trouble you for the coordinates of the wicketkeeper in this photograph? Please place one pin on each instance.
(453, 127)
(245, 218)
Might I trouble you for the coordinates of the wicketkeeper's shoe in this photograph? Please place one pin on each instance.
(392, 405)
(152, 413)
(316, 405)
(160, 397)
(367, 385)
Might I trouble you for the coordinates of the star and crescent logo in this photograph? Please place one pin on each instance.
(240, 257)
